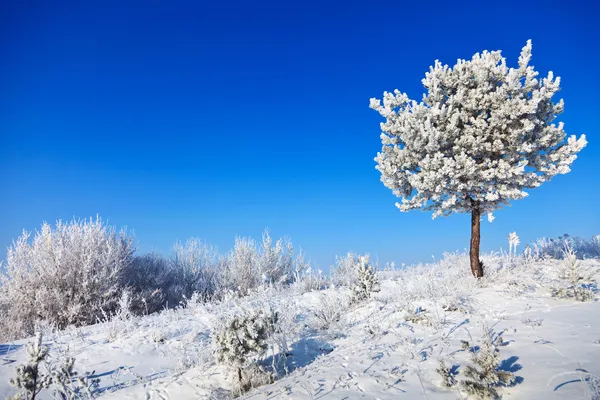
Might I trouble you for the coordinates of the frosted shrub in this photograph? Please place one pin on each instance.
(65, 275)
(286, 331)
(153, 283)
(307, 280)
(241, 272)
(577, 277)
(330, 313)
(366, 280)
(344, 271)
(484, 374)
(195, 267)
(249, 265)
(120, 322)
(277, 261)
(240, 339)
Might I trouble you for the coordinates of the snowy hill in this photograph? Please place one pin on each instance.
(386, 347)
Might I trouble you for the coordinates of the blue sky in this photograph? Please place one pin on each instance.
(180, 119)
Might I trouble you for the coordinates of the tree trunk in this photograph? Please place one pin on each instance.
(476, 265)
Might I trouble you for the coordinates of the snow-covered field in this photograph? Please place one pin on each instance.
(386, 347)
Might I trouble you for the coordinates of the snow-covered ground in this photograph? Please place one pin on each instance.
(387, 347)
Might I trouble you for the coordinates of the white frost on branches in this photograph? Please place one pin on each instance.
(482, 133)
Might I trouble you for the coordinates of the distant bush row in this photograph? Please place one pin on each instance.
(76, 272)
(555, 247)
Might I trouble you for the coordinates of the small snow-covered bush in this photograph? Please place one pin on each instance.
(64, 275)
(366, 280)
(121, 321)
(577, 277)
(240, 339)
(308, 280)
(330, 313)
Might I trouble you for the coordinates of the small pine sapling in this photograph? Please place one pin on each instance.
(577, 277)
(485, 375)
(30, 380)
(366, 280)
(448, 374)
(242, 338)
(69, 385)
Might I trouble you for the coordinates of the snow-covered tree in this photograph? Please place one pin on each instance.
(482, 134)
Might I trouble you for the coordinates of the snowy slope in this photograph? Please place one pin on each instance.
(378, 349)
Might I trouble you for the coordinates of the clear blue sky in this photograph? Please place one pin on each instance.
(181, 119)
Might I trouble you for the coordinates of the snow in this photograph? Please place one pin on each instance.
(379, 349)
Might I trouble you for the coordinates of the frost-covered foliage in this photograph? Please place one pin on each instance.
(484, 373)
(307, 279)
(65, 275)
(482, 134)
(121, 321)
(577, 278)
(366, 279)
(153, 284)
(331, 313)
(553, 247)
(344, 271)
(195, 267)
(513, 242)
(240, 339)
(249, 265)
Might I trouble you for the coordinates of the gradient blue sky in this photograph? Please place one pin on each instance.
(180, 119)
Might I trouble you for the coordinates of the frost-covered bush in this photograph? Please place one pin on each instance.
(240, 339)
(153, 284)
(241, 271)
(64, 275)
(121, 321)
(577, 278)
(195, 268)
(366, 280)
(249, 265)
(344, 271)
(330, 314)
(307, 280)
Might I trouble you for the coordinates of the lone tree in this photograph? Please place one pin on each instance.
(482, 133)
